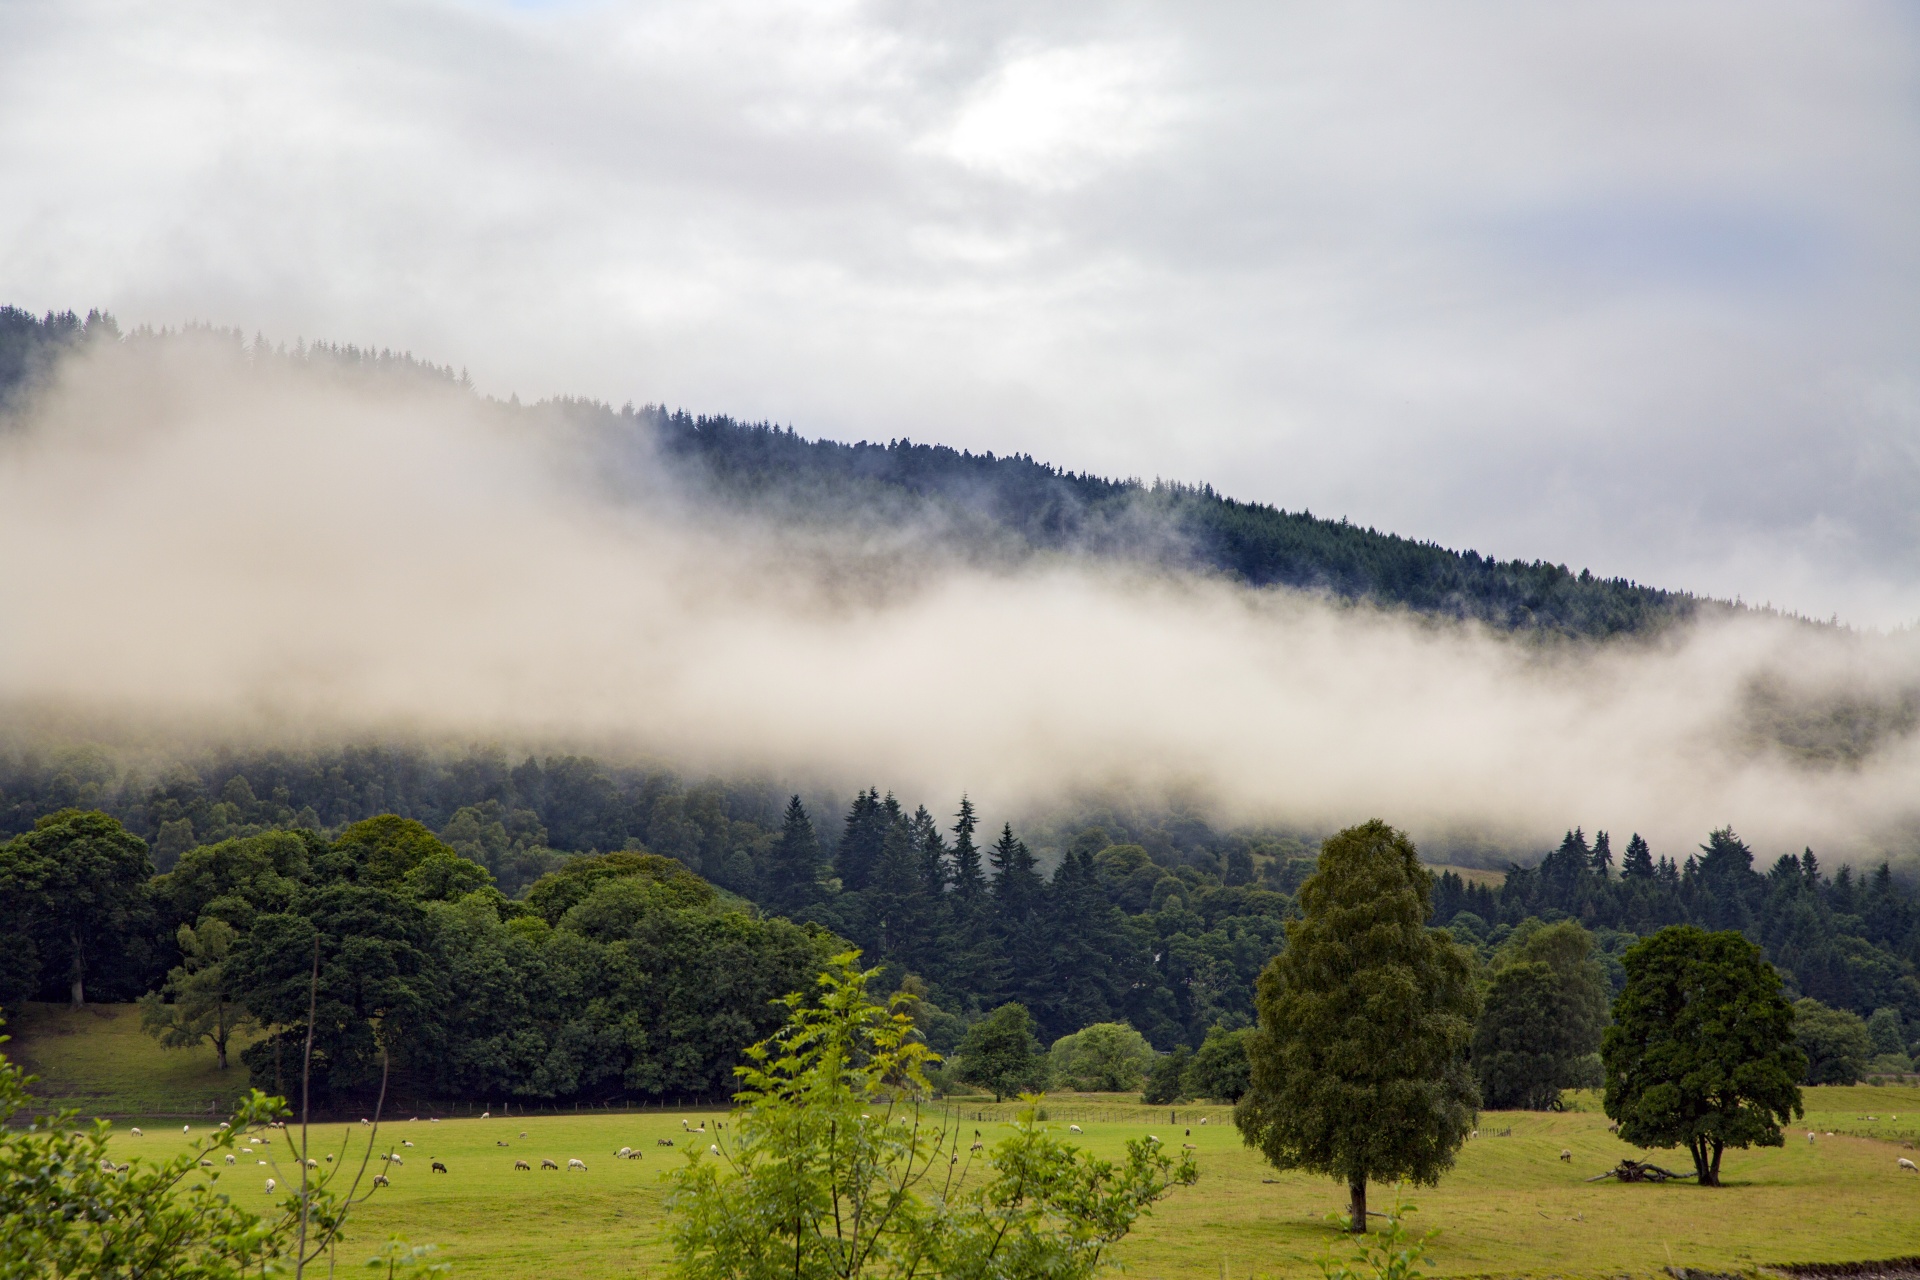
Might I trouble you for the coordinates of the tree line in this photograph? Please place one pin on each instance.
(998, 504)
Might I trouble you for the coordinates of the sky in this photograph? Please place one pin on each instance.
(1633, 287)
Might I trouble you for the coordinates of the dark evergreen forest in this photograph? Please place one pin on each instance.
(1013, 505)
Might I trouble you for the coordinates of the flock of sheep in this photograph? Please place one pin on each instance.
(1904, 1164)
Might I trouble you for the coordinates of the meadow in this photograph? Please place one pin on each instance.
(1510, 1208)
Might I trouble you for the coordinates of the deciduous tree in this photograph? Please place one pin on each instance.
(1701, 1052)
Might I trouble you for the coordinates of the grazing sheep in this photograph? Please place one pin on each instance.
(225, 1125)
(1809, 1137)
(498, 1143)
(121, 1168)
(1474, 1134)
(438, 1167)
(576, 1163)
(1203, 1119)
(1154, 1138)
(486, 1115)
(229, 1157)
(137, 1133)
(1188, 1146)
(548, 1164)
(522, 1164)
(186, 1128)
(380, 1180)
(1566, 1156)
(977, 1144)
(270, 1186)
(262, 1163)
(106, 1165)
(624, 1153)
(364, 1120)
(523, 1133)
(1073, 1128)
(663, 1142)
(329, 1157)
(1908, 1165)
(206, 1164)
(406, 1142)
(714, 1147)
(397, 1159)
(433, 1119)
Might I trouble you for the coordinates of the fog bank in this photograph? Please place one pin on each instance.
(195, 544)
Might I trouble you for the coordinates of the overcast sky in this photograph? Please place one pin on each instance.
(1634, 287)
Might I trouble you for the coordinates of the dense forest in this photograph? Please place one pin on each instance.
(1007, 505)
(560, 928)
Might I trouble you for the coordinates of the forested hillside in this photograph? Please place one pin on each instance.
(1014, 505)
(1156, 919)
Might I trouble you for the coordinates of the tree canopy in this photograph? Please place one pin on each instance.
(1701, 1052)
(1358, 1068)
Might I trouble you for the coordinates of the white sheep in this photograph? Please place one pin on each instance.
(137, 1133)
(1566, 1156)
(1073, 1128)
(1809, 1137)
(486, 1115)
(581, 1165)
(229, 1157)
(624, 1153)
(270, 1186)
(1908, 1165)
(186, 1128)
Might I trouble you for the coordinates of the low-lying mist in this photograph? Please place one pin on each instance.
(202, 548)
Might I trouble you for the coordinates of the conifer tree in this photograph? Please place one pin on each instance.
(968, 880)
(793, 869)
(1358, 1068)
(860, 841)
(1015, 882)
(1638, 864)
(1602, 855)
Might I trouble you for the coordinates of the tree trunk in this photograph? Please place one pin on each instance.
(1357, 1185)
(1718, 1147)
(79, 992)
(1703, 1167)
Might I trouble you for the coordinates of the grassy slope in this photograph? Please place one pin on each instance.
(1510, 1208)
(100, 1061)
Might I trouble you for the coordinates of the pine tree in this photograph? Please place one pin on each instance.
(1602, 855)
(1638, 864)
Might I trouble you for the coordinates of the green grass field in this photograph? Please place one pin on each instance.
(98, 1060)
(1510, 1208)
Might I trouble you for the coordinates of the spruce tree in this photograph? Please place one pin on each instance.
(1358, 1068)
(1015, 882)
(968, 880)
(793, 868)
(1602, 855)
(1638, 864)
(860, 840)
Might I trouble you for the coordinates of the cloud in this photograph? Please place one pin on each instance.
(209, 547)
(1631, 288)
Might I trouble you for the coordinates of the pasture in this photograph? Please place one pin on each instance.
(1511, 1207)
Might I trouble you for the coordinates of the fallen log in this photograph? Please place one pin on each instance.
(1640, 1171)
